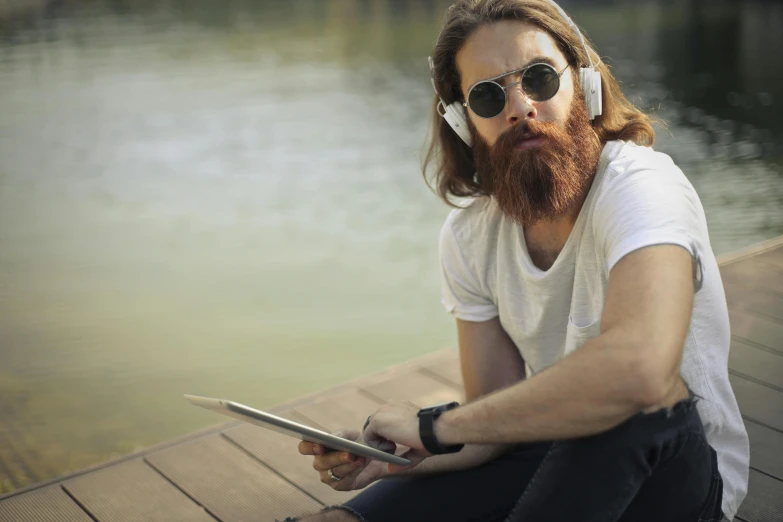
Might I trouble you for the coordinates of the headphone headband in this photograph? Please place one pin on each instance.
(573, 26)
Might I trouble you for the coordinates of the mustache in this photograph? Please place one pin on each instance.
(523, 131)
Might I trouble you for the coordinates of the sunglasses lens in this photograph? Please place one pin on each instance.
(487, 99)
(540, 82)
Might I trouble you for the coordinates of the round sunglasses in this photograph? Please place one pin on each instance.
(540, 82)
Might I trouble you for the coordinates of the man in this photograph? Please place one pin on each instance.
(591, 318)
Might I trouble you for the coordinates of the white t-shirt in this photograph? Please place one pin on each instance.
(639, 198)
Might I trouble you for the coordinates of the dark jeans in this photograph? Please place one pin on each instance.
(653, 467)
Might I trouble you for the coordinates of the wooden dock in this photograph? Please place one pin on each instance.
(239, 472)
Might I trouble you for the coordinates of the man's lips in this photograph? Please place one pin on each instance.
(529, 141)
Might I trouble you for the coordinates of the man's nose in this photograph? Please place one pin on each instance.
(520, 107)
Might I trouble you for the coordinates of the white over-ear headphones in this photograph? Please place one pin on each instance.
(589, 79)
(453, 113)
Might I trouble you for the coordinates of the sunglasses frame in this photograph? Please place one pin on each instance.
(505, 92)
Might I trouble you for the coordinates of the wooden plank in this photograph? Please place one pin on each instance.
(757, 363)
(415, 387)
(754, 274)
(751, 251)
(50, 504)
(133, 491)
(124, 458)
(229, 483)
(764, 502)
(773, 257)
(741, 298)
(447, 367)
(347, 410)
(401, 368)
(766, 449)
(758, 402)
(768, 265)
(280, 453)
(757, 329)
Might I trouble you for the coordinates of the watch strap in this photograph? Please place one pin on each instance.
(427, 434)
(427, 418)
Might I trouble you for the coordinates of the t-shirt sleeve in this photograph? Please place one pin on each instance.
(461, 292)
(654, 204)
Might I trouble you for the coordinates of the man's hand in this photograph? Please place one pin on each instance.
(398, 424)
(355, 472)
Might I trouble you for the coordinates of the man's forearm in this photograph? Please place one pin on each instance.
(471, 456)
(588, 392)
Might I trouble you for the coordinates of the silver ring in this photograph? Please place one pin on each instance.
(333, 476)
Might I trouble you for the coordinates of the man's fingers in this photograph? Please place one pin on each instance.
(415, 456)
(344, 470)
(379, 443)
(312, 448)
(307, 448)
(347, 474)
(371, 436)
(348, 434)
(332, 460)
(387, 446)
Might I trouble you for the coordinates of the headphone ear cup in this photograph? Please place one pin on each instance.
(596, 96)
(455, 116)
(590, 81)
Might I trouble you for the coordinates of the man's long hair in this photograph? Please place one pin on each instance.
(453, 170)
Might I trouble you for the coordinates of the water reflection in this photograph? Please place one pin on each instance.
(224, 198)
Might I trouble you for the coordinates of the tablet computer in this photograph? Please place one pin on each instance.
(293, 429)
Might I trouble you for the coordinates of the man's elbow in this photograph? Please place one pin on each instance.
(650, 382)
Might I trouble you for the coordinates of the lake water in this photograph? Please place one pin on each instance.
(224, 198)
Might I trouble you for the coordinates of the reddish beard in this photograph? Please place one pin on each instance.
(543, 182)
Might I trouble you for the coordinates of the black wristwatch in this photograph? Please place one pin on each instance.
(427, 418)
